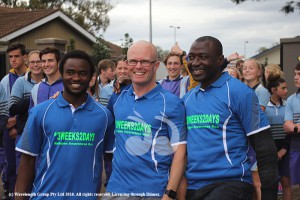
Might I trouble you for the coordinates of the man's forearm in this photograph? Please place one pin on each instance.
(177, 168)
(266, 155)
(25, 176)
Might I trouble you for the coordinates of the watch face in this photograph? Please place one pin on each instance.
(171, 193)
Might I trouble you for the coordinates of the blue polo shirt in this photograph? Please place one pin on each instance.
(146, 129)
(275, 115)
(219, 119)
(43, 91)
(20, 98)
(263, 95)
(179, 86)
(69, 143)
(292, 113)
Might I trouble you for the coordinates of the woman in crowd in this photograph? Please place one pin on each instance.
(275, 112)
(234, 72)
(252, 73)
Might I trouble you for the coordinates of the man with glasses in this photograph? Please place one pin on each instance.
(150, 133)
(42, 91)
(17, 58)
(20, 95)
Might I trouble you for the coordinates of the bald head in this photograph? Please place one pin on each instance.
(148, 49)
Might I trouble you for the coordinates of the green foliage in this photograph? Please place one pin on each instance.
(262, 49)
(162, 54)
(287, 8)
(71, 45)
(9, 3)
(100, 51)
(128, 41)
(90, 14)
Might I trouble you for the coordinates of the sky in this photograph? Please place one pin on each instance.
(242, 28)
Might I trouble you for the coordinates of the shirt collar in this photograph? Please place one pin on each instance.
(88, 105)
(178, 78)
(218, 83)
(45, 80)
(151, 94)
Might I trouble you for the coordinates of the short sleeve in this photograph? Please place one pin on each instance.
(288, 109)
(32, 138)
(109, 138)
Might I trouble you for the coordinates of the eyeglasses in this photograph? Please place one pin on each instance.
(144, 63)
(37, 62)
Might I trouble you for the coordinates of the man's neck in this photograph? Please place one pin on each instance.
(172, 78)
(76, 101)
(141, 90)
(20, 71)
(53, 77)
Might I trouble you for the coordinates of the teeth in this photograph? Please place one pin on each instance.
(198, 70)
(75, 85)
(139, 73)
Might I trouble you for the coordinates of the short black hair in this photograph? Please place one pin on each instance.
(76, 54)
(15, 46)
(217, 43)
(53, 50)
(297, 66)
(274, 80)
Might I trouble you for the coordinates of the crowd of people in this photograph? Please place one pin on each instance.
(206, 131)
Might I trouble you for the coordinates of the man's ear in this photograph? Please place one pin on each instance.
(221, 60)
(156, 65)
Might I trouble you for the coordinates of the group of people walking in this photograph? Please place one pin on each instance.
(184, 137)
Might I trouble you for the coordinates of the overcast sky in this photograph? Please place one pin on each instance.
(259, 23)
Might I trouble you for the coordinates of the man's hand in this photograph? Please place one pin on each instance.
(12, 121)
(166, 197)
(281, 153)
(55, 95)
(234, 56)
(176, 49)
(13, 133)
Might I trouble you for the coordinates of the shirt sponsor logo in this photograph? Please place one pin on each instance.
(203, 121)
(74, 138)
(133, 128)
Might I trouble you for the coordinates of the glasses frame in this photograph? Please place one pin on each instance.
(144, 63)
(35, 62)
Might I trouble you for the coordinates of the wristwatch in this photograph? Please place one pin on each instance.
(171, 193)
(295, 129)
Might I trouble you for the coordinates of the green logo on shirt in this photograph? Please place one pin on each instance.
(203, 121)
(133, 128)
(74, 138)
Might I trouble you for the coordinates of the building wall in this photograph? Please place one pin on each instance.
(290, 53)
(55, 29)
(271, 57)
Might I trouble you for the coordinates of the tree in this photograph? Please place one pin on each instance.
(128, 41)
(162, 54)
(71, 45)
(262, 49)
(90, 14)
(287, 8)
(100, 51)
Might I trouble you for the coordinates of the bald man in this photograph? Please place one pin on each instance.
(150, 133)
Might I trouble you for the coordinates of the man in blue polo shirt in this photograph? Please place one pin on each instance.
(150, 131)
(66, 135)
(17, 60)
(222, 115)
(292, 126)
